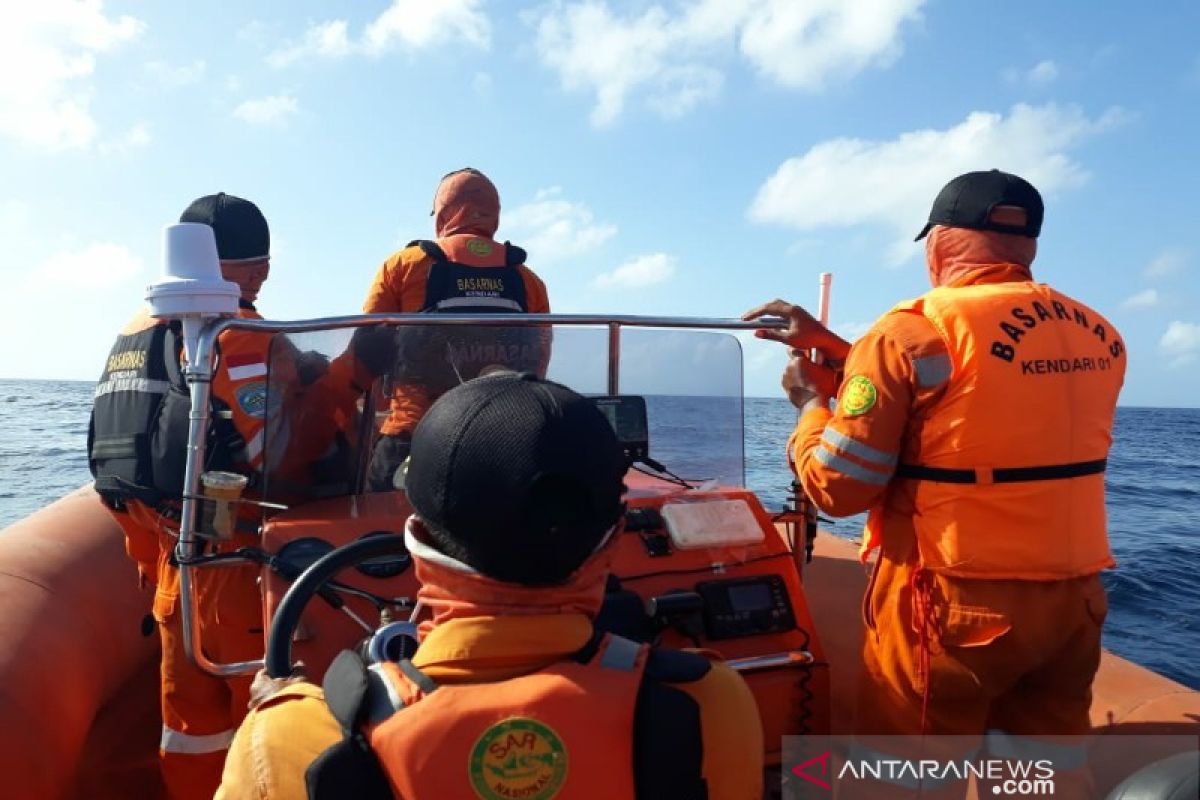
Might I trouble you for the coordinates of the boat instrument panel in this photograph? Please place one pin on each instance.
(692, 569)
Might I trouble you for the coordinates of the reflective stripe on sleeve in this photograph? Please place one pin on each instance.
(850, 469)
(932, 370)
(854, 447)
(254, 447)
(620, 654)
(174, 741)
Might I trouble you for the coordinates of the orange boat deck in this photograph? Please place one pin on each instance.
(78, 687)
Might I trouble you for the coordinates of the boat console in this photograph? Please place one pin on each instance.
(692, 569)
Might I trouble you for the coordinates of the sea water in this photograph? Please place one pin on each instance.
(1153, 493)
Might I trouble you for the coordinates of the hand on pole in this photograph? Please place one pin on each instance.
(808, 384)
(803, 332)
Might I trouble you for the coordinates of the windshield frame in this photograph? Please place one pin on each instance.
(199, 372)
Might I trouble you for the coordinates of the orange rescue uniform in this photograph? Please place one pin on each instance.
(507, 648)
(399, 287)
(973, 424)
(201, 712)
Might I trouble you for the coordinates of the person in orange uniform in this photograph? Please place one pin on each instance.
(137, 440)
(973, 423)
(512, 692)
(464, 270)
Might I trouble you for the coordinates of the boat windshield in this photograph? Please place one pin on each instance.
(329, 393)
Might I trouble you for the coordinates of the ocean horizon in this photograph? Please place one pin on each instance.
(1153, 484)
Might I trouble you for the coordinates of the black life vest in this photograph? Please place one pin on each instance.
(441, 357)
(138, 432)
(460, 288)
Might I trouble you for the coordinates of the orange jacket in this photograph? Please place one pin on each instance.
(399, 287)
(484, 635)
(987, 373)
(557, 729)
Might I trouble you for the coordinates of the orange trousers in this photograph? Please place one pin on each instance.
(200, 712)
(952, 657)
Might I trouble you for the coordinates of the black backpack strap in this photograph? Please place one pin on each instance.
(431, 249)
(668, 751)
(172, 352)
(348, 768)
(514, 256)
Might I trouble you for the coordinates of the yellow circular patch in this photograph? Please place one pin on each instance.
(480, 247)
(859, 396)
(518, 757)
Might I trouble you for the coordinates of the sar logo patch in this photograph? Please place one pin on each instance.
(859, 396)
(252, 399)
(480, 247)
(519, 757)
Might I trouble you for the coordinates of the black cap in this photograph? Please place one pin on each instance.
(240, 228)
(516, 476)
(968, 200)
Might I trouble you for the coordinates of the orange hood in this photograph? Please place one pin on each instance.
(453, 590)
(466, 202)
(962, 256)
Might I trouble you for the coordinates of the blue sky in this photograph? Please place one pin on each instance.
(686, 158)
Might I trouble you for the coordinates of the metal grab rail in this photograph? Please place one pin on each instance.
(199, 373)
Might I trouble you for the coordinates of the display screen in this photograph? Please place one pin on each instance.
(750, 597)
(627, 415)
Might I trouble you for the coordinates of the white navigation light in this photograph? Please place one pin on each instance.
(191, 285)
(191, 288)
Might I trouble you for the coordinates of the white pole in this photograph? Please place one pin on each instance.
(826, 282)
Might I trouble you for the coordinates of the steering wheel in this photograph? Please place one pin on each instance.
(278, 659)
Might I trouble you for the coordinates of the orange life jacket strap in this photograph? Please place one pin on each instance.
(1052, 472)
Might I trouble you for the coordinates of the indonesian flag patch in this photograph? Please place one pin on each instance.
(242, 366)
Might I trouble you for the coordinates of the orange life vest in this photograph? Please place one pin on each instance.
(564, 731)
(1010, 460)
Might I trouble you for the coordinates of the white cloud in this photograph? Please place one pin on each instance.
(94, 266)
(1181, 343)
(405, 24)
(1145, 299)
(174, 76)
(48, 53)
(135, 138)
(272, 110)
(639, 273)
(676, 57)
(846, 182)
(1170, 261)
(1042, 73)
(552, 228)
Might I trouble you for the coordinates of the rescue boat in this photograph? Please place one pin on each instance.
(701, 561)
